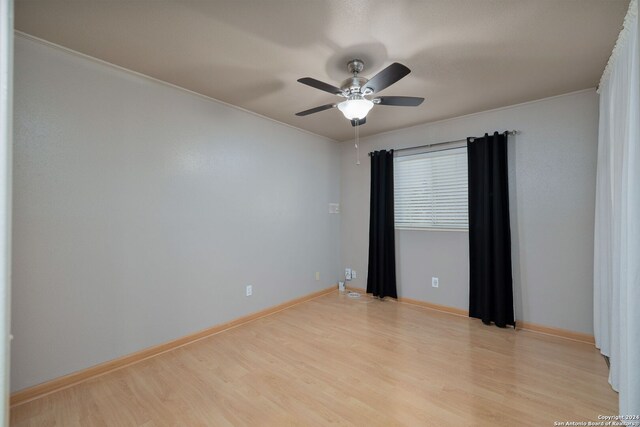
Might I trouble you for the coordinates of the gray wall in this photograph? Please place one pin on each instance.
(552, 189)
(141, 211)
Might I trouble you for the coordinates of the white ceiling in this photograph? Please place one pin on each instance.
(465, 55)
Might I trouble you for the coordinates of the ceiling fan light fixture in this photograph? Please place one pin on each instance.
(356, 88)
(355, 107)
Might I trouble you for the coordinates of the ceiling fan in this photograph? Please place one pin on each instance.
(356, 89)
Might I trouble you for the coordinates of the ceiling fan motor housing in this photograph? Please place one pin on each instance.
(353, 84)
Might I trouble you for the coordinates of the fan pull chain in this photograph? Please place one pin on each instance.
(357, 148)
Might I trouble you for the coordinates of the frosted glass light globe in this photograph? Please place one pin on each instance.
(356, 107)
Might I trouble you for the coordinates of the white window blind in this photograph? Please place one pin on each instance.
(430, 190)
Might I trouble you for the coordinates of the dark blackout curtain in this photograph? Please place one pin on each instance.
(491, 283)
(381, 278)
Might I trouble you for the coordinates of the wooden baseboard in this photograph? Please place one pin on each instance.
(74, 378)
(424, 304)
(520, 325)
(557, 332)
(437, 307)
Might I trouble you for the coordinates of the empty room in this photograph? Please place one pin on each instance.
(319, 212)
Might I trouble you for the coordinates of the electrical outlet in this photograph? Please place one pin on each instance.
(317, 275)
(353, 274)
(434, 282)
(249, 290)
(347, 273)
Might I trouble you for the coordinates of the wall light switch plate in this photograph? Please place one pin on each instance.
(434, 282)
(347, 273)
(353, 274)
(317, 275)
(249, 290)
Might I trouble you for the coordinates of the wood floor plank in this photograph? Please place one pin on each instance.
(342, 361)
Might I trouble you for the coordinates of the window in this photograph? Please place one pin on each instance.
(431, 190)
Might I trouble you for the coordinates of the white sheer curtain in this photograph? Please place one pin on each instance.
(617, 227)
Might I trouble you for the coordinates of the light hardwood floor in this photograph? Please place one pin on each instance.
(336, 360)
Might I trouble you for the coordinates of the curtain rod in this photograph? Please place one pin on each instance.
(509, 132)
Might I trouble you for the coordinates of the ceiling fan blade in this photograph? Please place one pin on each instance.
(316, 110)
(320, 85)
(387, 77)
(400, 101)
(358, 122)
